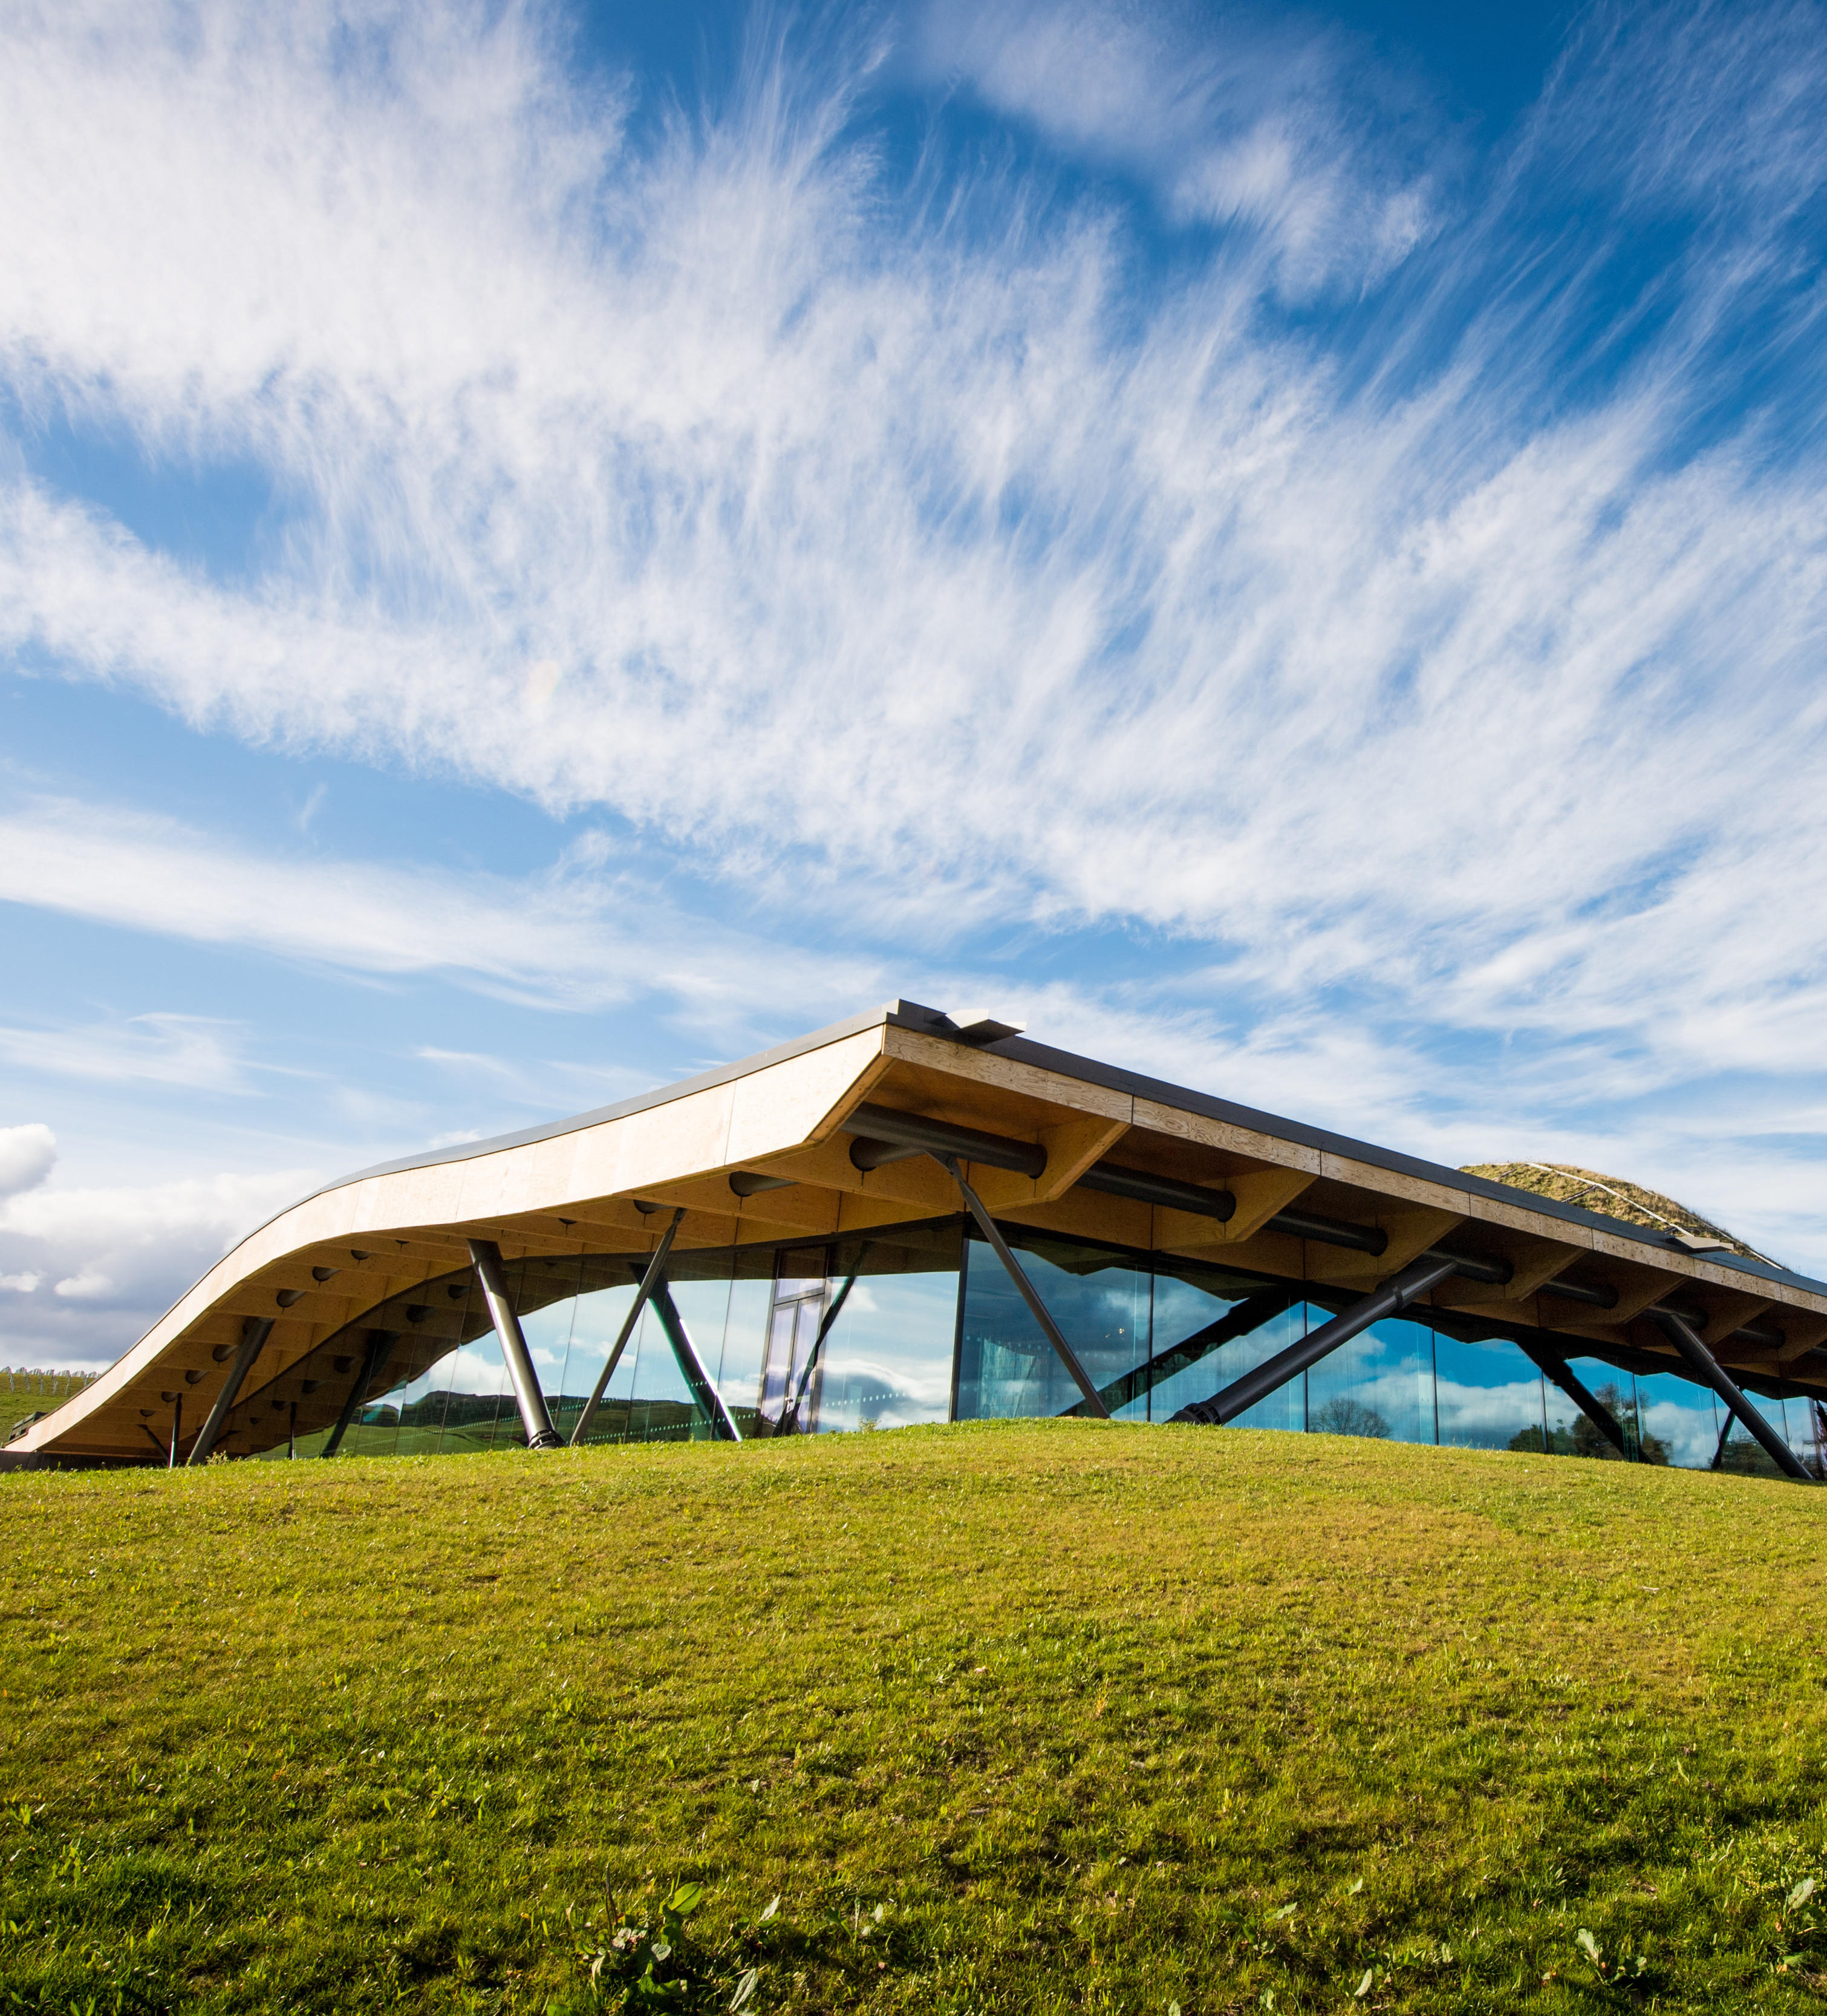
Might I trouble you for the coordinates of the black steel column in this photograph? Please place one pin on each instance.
(254, 1333)
(1712, 1374)
(486, 1257)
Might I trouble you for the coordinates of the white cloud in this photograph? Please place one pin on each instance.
(23, 1284)
(27, 1155)
(931, 577)
(1258, 120)
(119, 1254)
(572, 937)
(88, 1286)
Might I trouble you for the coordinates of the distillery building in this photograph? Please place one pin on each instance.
(913, 1218)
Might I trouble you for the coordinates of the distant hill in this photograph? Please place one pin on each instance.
(1613, 1196)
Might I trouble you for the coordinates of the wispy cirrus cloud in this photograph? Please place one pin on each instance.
(572, 937)
(157, 1049)
(1285, 125)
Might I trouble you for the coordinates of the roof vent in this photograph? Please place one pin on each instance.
(977, 1025)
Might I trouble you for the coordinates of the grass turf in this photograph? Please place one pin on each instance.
(1036, 1716)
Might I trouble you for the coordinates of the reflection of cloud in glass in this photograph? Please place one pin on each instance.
(928, 1383)
(1487, 1417)
(1690, 1433)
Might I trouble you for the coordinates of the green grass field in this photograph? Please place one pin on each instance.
(1047, 1716)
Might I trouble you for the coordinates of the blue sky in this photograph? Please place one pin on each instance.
(542, 548)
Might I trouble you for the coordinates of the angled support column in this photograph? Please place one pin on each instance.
(177, 1429)
(705, 1396)
(486, 1257)
(1094, 1400)
(789, 1418)
(650, 1281)
(1395, 1294)
(1711, 1373)
(374, 1362)
(1588, 1403)
(254, 1333)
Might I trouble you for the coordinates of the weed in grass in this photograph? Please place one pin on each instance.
(1040, 1716)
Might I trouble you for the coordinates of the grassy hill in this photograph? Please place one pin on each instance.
(1048, 1716)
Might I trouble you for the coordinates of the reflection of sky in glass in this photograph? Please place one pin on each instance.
(1184, 1308)
(548, 1332)
(1679, 1415)
(1010, 1370)
(597, 1323)
(888, 1356)
(1381, 1382)
(738, 1368)
(1486, 1393)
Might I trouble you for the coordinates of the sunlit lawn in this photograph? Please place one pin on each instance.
(1031, 1717)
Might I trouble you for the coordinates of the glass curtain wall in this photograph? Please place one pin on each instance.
(920, 1323)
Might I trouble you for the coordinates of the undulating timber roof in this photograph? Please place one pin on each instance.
(1066, 1143)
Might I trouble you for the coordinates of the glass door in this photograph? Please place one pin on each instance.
(789, 1403)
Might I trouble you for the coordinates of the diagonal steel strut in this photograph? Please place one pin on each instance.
(1588, 1402)
(705, 1396)
(1713, 1374)
(254, 1333)
(655, 1275)
(485, 1256)
(1395, 1293)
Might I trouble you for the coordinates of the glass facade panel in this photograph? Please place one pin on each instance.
(741, 1361)
(1569, 1433)
(1007, 1369)
(791, 1370)
(1487, 1394)
(421, 1404)
(596, 1322)
(479, 1392)
(1682, 1419)
(887, 1362)
(1380, 1384)
(660, 1408)
(1802, 1428)
(546, 1302)
(702, 1302)
(1210, 1328)
(1744, 1455)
